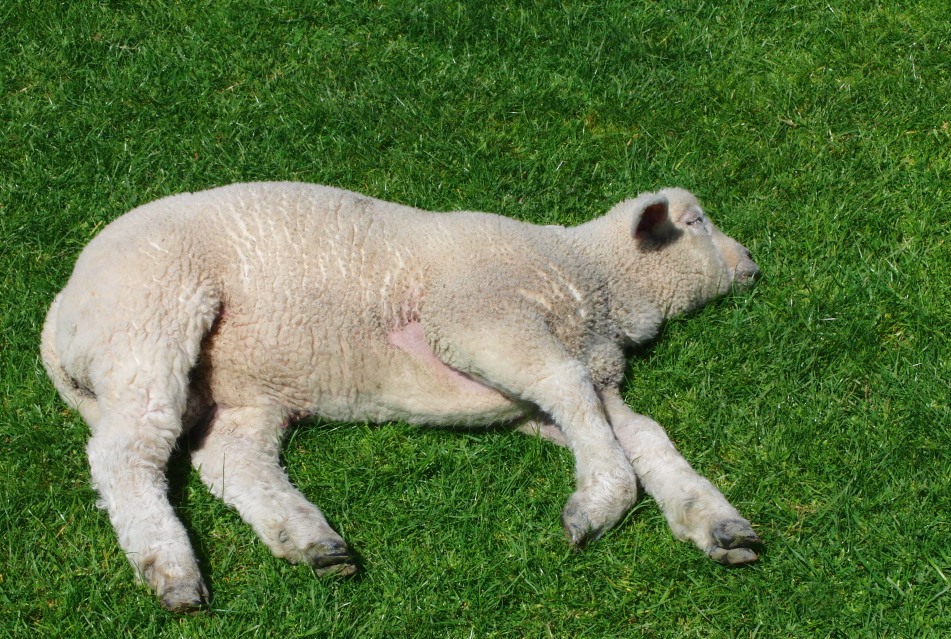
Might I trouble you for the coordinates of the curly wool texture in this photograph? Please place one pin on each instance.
(239, 309)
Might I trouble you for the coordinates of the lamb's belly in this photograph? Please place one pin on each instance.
(445, 405)
(414, 392)
(350, 380)
(416, 400)
(419, 388)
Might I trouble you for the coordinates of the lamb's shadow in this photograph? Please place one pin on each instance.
(179, 474)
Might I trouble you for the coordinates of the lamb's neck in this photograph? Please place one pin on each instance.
(637, 307)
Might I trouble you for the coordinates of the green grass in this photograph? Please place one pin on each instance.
(816, 133)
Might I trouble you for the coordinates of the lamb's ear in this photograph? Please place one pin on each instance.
(652, 221)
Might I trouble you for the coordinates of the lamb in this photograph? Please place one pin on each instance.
(230, 313)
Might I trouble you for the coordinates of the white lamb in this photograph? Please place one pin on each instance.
(233, 312)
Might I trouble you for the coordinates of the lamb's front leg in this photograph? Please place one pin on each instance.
(693, 506)
(535, 369)
(606, 482)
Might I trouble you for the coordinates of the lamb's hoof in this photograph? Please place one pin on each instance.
(332, 559)
(185, 598)
(737, 544)
(577, 524)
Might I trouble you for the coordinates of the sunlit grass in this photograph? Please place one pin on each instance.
(815, 133)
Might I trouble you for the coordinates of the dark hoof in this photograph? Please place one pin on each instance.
(737, 543)
(185, 599)
(578, 527)
(332, 559)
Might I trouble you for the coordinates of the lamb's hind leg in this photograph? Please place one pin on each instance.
(128, 452)
(238, 459)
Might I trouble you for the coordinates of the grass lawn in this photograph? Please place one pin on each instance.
(816, 133)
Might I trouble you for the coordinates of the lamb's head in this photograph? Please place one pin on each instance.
(680, 259)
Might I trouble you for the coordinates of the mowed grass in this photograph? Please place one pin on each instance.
(816, 133)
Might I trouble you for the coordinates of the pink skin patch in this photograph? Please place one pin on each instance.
(412, 339)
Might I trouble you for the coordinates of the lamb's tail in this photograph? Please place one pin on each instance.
(73, 393)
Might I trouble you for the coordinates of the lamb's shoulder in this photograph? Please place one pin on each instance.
(506, 282)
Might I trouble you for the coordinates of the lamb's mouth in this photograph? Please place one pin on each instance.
(745, 274)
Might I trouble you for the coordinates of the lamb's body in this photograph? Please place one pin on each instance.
(239, 309)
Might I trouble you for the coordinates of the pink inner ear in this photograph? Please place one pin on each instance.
(653, 216)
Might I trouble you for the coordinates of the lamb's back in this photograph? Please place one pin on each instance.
(323, 296)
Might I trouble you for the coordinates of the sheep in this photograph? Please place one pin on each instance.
(230, 313)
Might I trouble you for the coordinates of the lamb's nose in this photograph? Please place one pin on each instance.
(751, 273)
(747, 271)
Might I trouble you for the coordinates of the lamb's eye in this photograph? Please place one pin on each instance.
(692, 217)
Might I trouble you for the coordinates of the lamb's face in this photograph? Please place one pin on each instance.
(705, 262)
(734, 265)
